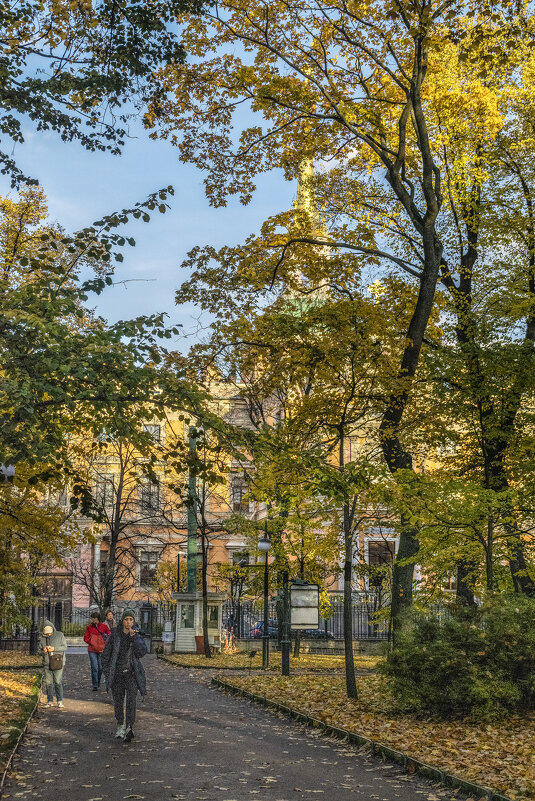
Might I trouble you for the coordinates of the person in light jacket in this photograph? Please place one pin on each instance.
(53, 643)
(124, 672)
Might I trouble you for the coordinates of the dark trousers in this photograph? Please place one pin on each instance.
(124, 684)
(96, 668)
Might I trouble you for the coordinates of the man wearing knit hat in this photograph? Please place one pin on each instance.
(124, 672)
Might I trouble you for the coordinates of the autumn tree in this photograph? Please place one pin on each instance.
(128, 504)
(82, 69)
(35, 531)
(338, 82)
(64, 370)
(314, 376)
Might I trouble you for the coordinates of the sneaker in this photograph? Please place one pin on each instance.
(129, 735)
(45, 704)
(95, 689)
(121, 730)
(61, 705)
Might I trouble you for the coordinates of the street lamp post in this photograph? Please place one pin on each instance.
(264, 546)
(34, 631)
(285, 641)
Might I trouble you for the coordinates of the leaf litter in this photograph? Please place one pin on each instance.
(500, 756)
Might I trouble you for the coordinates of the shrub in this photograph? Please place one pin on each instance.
(73, 629)
(477, 662)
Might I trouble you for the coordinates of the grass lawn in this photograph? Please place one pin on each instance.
(18, 660)
(243, 660)
(500, 756)
(19, 691)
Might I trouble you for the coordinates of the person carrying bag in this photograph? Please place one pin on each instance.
(95, 636)
(52, 645)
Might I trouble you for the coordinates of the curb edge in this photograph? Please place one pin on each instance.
(410, 764)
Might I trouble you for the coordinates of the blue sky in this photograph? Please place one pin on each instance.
(82, 186)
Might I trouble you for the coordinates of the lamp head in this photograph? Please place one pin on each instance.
(264, 544)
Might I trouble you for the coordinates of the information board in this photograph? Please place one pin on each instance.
(304, 606)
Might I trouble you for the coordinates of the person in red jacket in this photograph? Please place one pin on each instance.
(95, 636)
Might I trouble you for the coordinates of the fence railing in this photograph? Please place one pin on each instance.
(369, 620)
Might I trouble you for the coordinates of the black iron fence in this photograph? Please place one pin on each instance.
(369, 621)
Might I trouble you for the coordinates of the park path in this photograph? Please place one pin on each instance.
(193, 743)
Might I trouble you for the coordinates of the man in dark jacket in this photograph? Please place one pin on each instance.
(124, 672)
(52, 644)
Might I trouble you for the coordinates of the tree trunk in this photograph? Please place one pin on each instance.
(522, 580)
(403, 575)
(496, 418)
(489, 558)
(351, 684)
(465, 594)
(499, 482)
(396, 456)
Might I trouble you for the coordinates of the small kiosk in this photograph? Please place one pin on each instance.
(188, 630)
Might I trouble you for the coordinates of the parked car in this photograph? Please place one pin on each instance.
(257, 629)
(313, 634)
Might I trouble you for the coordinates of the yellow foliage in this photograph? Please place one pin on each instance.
(242, 659)
(17, 688)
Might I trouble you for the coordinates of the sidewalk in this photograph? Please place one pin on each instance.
(193, 743)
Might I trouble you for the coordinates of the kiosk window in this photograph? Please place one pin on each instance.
(212, 617)
(186, 616)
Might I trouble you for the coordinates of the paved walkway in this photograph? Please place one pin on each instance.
(192, 743)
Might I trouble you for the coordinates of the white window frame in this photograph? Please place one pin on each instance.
(238, 482)
(155, 488)
(106, 480)
(150, 549)
(148, 429)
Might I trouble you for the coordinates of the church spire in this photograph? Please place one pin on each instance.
(309, 224)
(305, 201)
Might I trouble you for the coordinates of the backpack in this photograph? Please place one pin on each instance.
(96, 639)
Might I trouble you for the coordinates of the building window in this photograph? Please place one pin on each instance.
(238, 491)
(148, 562)
(241, 558)
(105, 490)
(150, 495)
(153, 430)
(57, 586)
(381, 552)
